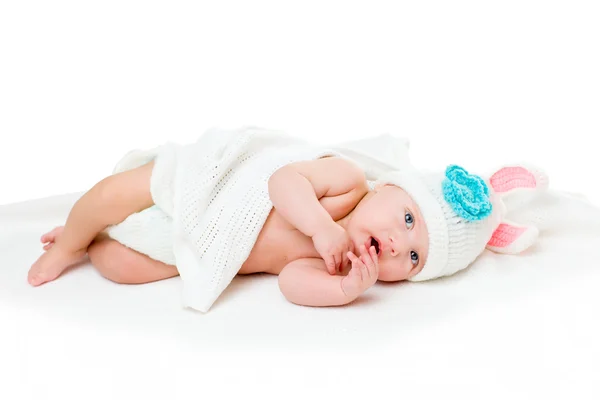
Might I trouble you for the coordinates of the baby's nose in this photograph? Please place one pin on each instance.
(394, 244)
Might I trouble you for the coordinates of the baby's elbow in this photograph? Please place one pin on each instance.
(290, 287)
(272, 182)
(279, 180)
(278, 175)
(286, 285)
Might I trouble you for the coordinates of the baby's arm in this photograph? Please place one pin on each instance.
(108, 202)
(313, 195)
(306, 281)
(296, 189)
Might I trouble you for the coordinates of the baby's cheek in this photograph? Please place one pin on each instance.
(391, 272)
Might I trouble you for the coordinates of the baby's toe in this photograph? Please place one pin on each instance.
(39, 272)
(51, 236)
(36, 278)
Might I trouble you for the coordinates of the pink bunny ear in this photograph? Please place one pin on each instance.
(518, 184)
(512, 238)
(513, 177)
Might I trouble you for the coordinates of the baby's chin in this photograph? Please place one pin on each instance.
(390, 279)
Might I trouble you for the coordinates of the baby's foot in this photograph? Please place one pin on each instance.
(54, 261)
(51, 264)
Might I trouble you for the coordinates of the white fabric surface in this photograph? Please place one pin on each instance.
(520, 326)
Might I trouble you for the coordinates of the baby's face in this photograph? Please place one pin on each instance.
(392, 221)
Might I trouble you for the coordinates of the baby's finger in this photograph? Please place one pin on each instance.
(356, 263)
(368, 256)
(360, 266)
(338, 259)
(375, 261)
(330, 261)
(352, 257)
(345, 260)
(365, 251)
(368, 261)
(351, 247)
(348, 260)
(357, 272)
(364, 272)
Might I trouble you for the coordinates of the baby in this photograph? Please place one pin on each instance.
(329, 236)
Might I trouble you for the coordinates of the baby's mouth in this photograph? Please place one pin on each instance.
(375, 243)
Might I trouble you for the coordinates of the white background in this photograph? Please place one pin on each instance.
(470, 82)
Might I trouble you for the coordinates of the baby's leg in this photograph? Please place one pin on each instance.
(121, 264)
(109, 202)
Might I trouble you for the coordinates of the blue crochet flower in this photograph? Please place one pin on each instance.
(467, 194)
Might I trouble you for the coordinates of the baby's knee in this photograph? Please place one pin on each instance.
(121, 264)
(109, 257)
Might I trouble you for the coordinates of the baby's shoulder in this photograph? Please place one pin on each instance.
(338, 169)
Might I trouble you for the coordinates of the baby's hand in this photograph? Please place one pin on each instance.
(333, 244)
(364, 272)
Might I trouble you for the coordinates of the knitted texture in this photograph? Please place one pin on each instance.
(149, 232)
(512, 178)
(505, 235)
(454, 242)
(465, 214)
(466, 193)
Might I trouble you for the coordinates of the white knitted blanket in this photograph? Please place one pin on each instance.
(211, 198)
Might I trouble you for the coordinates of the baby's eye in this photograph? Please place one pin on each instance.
(414, 257)
(409, 220)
